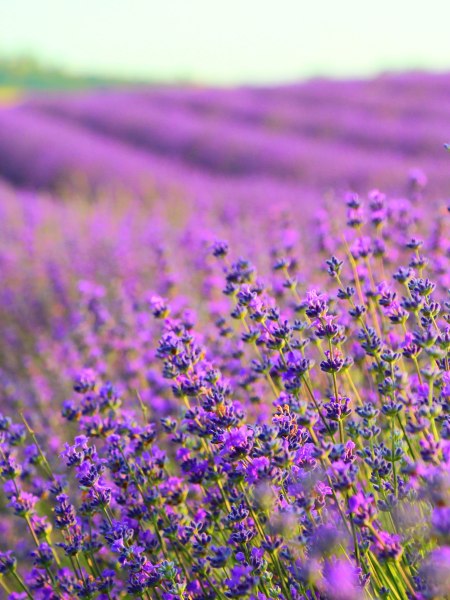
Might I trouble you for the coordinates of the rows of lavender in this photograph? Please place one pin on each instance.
(240, 141)
(206, 394)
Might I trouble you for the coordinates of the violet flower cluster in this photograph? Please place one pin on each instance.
(279, 429)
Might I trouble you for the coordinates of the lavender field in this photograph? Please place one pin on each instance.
(224, 360)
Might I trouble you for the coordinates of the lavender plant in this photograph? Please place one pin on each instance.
(290, 441)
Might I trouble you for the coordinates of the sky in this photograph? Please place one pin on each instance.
(229, 41)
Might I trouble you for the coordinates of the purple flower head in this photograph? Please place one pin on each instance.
(435, 572)
(9, 468)
(89, 473)
(361, 248)
(43, 555)
(257, 469)
(129, 555)
(333, 362)
(236, 443)
(41, 526)
(325, 540)
(220, 249)
(65, 512)
(338, 408)
(159, 307)
(417, 179)
(241, 581)
(441, 522)
(305, 457)
(387, 546)
(376, 199)
(362, 508)
(247, 295)
(174, 490)
(8, 562)
(78, 452)
(316, 304)
(220, 556)
(341, 581)
(85, 381)
(23, 504)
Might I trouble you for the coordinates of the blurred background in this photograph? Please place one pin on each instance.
(239, 96)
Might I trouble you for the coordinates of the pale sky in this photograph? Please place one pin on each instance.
(229, 41)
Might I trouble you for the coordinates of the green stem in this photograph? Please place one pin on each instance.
(22, 584)
(394, 470)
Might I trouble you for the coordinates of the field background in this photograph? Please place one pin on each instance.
(322, 134)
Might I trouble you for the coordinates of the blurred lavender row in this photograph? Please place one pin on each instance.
(321, 134)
